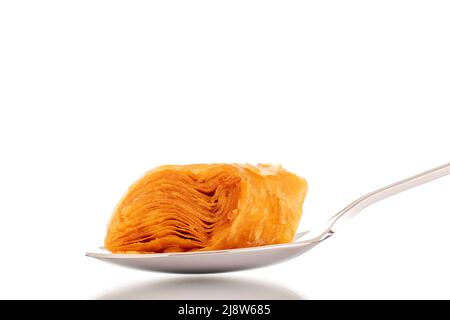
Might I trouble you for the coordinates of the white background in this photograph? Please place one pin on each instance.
(351, 95)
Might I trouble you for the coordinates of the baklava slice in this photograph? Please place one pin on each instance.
(180, 208)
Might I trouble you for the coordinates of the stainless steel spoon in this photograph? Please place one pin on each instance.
(255, 257)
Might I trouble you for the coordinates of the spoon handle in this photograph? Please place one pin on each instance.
(356, 206)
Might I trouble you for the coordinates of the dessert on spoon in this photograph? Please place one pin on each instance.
(211, 218)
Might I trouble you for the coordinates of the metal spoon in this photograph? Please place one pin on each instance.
(255, 257)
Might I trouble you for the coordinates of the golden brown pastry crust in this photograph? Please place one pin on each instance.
(207, 207)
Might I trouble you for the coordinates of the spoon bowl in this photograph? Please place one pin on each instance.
(216, 261)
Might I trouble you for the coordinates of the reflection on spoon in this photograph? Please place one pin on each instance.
(202, 288)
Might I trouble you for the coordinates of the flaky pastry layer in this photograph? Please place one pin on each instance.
(207, 207)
